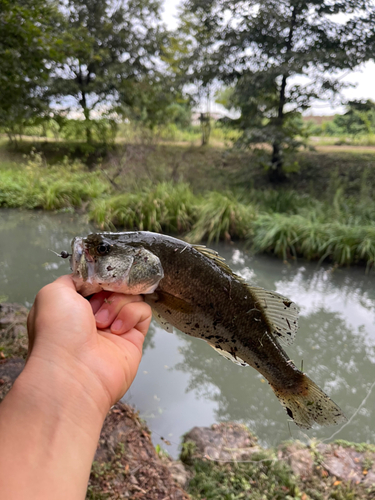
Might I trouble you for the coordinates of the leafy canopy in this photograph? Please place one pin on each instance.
(29, 47)
(277, 56)
(112, 50)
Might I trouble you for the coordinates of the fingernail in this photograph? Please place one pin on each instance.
(102, 316)
(117, 325)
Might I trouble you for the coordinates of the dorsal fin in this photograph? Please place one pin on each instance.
(281, 313)
(220, 261)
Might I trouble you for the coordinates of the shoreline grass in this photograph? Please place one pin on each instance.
(287, 222)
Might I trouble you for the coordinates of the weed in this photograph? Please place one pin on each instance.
(360, 447)
(264, 478)
(166, 207)
(35, 185)
(222, 216)
(188, 450)
(338, 225)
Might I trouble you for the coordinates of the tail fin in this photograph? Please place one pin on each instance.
(309, 404)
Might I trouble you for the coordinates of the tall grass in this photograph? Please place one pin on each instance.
(222, 216)
(35, 185)
(166, 207)
(283, 222)
(288, 236)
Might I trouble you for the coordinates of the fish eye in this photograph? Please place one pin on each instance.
(103, 248)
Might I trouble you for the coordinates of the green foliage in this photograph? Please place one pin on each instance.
(359, 119)
(188, 450)
(281, 200)
(35, 185)
(294, 235)
(360, 447)
(262, 478)
(111, 50)
(222, 216)
(102, 130)
(339, 227)
(166, 207)
(259, 53)
(29, 49)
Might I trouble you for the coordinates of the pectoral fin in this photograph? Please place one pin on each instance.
(167, 308)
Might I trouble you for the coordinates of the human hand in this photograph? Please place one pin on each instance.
(78, 367)
(101, 352)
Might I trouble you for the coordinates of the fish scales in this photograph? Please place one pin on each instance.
(198, 294)
(221, 310)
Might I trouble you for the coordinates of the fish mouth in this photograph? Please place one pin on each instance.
(81, 262)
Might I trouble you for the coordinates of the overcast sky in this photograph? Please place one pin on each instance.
(363, 78)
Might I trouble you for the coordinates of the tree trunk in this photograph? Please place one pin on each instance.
(83, 102)
(205, 127)
(277, 174)
(86, 112)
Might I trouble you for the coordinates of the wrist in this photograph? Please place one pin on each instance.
(49, 433)
(64, 386)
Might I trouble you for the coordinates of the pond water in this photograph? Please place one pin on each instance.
(182, 382)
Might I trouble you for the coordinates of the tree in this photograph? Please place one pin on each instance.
(29, 45)
(278, 56)
(111, 52)
(358, 119)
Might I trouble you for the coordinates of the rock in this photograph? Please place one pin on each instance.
(178, 471)
(225, 441)
(13, 344)
(9, 371)
(13, 333)
(12, 316)
(340, 463)
(299, 459)
(11, 368)
(348, 464)
(370, 478)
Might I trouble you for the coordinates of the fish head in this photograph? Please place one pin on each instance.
(101, 262)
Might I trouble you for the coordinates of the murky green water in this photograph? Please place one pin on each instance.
(182, 382)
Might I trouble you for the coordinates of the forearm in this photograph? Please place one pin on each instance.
(49, 429)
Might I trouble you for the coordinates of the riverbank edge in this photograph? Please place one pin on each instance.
(325, 212)
(217, 461)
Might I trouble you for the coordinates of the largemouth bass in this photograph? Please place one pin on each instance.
(189, 287)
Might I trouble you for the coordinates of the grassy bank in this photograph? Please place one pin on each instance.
(327, 210)
(266, 477)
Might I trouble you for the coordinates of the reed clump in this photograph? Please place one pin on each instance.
(292, 236)
(338, 227)
(222, 217)
(166, 207)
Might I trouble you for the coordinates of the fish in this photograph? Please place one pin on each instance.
(191, 288)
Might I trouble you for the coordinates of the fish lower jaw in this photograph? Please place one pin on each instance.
(85, 287)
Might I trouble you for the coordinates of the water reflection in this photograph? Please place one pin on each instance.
(335, 342)
(26, 264)
(182, 382)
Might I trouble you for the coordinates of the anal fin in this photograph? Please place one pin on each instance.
(227, 355)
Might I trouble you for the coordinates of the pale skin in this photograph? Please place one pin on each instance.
(83, 357)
